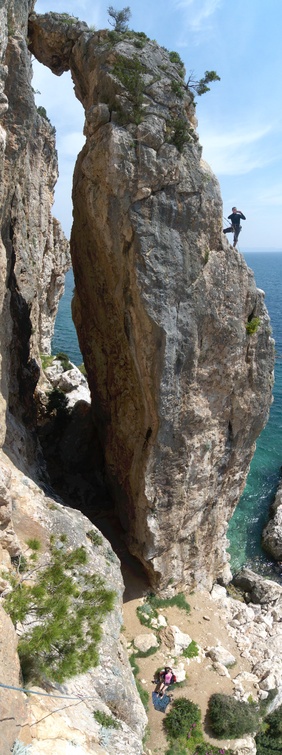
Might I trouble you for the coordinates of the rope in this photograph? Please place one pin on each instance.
(45, 694)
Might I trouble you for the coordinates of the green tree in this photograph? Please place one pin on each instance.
(62, 607)
(119, 18)
(231, 718)
(200, 86)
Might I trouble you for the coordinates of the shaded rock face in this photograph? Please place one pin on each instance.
(34, 253)
(272, 533)
(180, 391)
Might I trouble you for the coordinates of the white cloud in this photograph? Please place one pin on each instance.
(271, 196)
(198, 12)
(239, 151)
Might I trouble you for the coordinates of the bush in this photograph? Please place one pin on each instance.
(230, 718)
(192, 650)
(65, 606)
(269, 741)
(107, 721)
(130, 73)
(252, 325)
(65, 362)
(183, 719)
(179, 132)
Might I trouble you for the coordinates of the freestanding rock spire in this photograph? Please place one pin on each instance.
(180, 390)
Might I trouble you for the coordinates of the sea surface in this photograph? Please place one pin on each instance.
(265, 472)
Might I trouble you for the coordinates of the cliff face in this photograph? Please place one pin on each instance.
(180, 390)
(34, 253)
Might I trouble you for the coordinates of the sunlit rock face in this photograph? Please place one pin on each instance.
(34, 253)
(180, 389)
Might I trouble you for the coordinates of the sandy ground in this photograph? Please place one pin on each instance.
(204, 625)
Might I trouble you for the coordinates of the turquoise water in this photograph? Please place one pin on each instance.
(265, 472)
(65, 338)
(252, 511)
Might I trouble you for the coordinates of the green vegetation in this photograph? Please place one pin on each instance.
(230, 718)
(107, 721)
(200, 86)
(42, 111)
(178, 600)
(65, 605)
(177, 88)
(179, 132)
(67, 18)
(175, 58)
(192, 651)
(183, 720)
(269, 740)
(143, 694)
(119, 18)
(252, 325)
(129, 72)
(95, 538)
(46, 360)
(82, 369)
(65, 362)
(148, 610)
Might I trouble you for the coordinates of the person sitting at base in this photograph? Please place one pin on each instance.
(165, 678)
(235, 228)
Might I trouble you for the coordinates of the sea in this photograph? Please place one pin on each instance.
(252, 512)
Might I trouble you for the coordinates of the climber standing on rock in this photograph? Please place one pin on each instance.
(235, 217)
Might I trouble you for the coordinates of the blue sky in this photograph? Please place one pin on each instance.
(240, 119)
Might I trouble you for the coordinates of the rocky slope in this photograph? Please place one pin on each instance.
(180, 389)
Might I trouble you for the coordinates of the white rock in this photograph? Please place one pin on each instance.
(220, 655)
(181, 640)
(218, 592)
(144, 642)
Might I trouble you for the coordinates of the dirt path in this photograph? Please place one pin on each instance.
(204, 625)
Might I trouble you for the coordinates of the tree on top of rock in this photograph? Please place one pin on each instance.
(120, 18)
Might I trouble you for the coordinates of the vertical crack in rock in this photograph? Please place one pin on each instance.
(180, 391)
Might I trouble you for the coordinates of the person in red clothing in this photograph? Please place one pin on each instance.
(235, 217)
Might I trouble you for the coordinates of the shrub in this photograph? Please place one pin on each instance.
(95, 538)
(179, 132)
(192, 650)
(129, 72)
(177, 88)
(175, 58)
(107, 721)
(65, 362)
(42, 111)
(183, 719)
(269, 741)
(65, 606)
(46, 360)
(252, 325)
(230, 718)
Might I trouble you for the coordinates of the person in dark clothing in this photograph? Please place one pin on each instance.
(235, 217)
